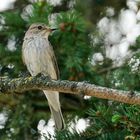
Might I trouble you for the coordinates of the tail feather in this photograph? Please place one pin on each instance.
(54, 104)
(58, 118)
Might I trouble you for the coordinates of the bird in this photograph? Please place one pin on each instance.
(39, 57)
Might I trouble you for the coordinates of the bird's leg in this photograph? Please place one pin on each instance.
(24, 74)
(43, 76)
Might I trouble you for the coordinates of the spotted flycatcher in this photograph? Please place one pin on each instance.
(38, 56)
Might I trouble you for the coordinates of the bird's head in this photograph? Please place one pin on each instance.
(39, 29)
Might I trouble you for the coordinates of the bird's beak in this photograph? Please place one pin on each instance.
(50, 29)
(53, 29)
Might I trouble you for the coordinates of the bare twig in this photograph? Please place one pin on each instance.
(39, 82)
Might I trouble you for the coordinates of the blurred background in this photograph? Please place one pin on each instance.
(97, 41)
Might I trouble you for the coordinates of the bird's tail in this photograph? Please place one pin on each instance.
(58, 118)
(54, 104)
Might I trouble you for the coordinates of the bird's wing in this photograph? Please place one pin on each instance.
(54, 61)
(23, 59)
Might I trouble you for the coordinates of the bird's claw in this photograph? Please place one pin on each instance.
(43, 76)
(24, 74)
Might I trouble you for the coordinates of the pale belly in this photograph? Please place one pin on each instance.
(38, 59)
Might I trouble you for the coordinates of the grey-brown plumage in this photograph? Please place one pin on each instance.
(38, 55)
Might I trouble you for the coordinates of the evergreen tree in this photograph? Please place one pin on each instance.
(74, 48)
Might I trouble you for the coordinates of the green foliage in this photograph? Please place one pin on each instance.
(74, 48)
(40, 12)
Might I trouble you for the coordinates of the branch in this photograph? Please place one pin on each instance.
(40, 82)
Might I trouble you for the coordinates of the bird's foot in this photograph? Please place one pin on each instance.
(43, 76)
(24, 74)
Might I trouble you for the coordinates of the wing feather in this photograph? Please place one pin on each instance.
(54, 61)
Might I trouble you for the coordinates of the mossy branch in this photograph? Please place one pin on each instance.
(41, 82)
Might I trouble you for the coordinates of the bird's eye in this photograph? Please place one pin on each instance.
(39, 27)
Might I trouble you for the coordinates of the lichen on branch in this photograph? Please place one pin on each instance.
(40, 82)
